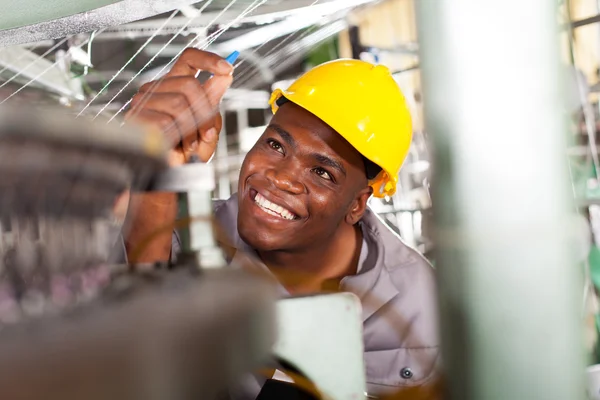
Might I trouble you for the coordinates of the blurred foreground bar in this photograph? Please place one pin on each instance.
(161, 336)
(508, 285)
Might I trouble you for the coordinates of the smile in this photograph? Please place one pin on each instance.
(272, 208)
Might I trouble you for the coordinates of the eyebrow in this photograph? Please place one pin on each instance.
(330, 162)
(285, 135)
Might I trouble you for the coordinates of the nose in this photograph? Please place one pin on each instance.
(284, 180)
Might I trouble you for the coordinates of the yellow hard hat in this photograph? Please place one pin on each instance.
(363, 103)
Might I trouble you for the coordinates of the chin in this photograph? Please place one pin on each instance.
(261, 231)
(260, 241)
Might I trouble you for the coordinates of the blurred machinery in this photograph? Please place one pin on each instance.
(73, 326)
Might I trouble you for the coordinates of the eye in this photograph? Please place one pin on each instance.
(323, 173)
(275, 145)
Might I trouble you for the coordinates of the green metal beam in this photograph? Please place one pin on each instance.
(17, 13)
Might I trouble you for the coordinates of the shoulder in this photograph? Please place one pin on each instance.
(218, 203)
(412, 277)
(399, 259)
(403, 333)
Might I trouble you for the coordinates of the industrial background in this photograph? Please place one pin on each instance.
(278, 40)
(90, 58)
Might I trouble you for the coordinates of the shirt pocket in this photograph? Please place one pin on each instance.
(402, 367)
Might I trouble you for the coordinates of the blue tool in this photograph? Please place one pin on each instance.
(230, 59)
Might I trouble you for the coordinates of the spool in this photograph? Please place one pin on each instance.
(59, 180)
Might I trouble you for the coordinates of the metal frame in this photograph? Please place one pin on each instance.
(268, 13)
(47, 74)
(115, 14)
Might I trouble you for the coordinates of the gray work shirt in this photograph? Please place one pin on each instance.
(396, 286)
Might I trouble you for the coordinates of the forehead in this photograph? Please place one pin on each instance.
(310, 131)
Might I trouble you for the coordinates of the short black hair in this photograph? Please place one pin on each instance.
(371, 169)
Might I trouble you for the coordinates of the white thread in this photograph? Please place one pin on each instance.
(33, 62)
(43, 72)
(158, 53)
(128, 62)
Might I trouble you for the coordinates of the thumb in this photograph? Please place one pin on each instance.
(216, 88)
(208, 144)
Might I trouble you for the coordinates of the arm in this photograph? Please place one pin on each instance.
(188, 114)
(147, 214)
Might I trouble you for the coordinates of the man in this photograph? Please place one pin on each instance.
(339, 135)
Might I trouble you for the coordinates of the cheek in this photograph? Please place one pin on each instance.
(250, 165)
(258, 160)
(327, 205)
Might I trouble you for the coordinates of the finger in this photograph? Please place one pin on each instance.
(195, 93)
(216, 88)
(218, 124)
(192, 60)
(162, 121)
(208, 144)
(177, 107)
(216, 121)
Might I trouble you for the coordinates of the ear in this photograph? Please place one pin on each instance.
(358, 206)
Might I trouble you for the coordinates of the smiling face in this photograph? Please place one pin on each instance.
(300, 184)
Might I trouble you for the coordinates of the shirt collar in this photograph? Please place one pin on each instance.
(372, 283)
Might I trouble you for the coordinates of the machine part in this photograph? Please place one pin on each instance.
(51, 264)
(270, 12)
(54, 164)
(322, 336)
(197, 237)
(273, 31)
(577, 89)
(29, 66)
(60, 18)
(151, 336)
(509, 287)
(357, 47)
(187, 177)
(194, 183)
(29, 12)
(59, 180)
(583, 22)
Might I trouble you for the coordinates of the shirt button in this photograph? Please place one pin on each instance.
(406, 373)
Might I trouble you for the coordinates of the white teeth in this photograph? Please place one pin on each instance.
(272, 208)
